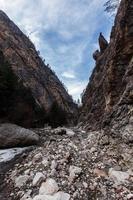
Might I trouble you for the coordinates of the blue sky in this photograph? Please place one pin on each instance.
(65, 32)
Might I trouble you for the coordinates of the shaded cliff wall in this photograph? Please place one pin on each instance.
(17, 104)
(46, 89)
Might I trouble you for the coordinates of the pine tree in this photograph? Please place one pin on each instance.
(111, 6)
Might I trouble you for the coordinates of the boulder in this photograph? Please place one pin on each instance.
(12, 135)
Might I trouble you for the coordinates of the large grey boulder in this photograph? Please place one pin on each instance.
(12, 135)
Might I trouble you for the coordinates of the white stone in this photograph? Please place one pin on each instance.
(85, 185)
(21, 180)
(73, 171)
(27, 172)
(37, 157)
(69, 132)
(53, 164)
(62, 196)
(56, 196)
(92, 150)
(38, 178)
(130, 196)
(27, 196)
(49, 187)
(53, 172)
(118, 176)
(82, 131)
(45, 162)
(127, 135)
(29, 163)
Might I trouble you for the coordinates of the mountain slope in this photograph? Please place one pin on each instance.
(108, 99)
(46, 89)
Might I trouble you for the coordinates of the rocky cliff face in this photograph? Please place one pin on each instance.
(108, 99)
(47, 91)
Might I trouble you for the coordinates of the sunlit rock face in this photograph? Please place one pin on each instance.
(108, 99)
(46, 89)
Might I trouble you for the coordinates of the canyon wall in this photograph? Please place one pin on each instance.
(108, 99)
(50, 97)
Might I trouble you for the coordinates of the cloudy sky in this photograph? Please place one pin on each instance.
(65, 32)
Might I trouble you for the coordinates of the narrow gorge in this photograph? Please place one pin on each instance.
(50, 147)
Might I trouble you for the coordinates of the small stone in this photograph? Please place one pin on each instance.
(49, 187)
(92, 187)
(61, 196)
(118, 176)
(45, 162)
(12, 194)
(73, 172)
(100, 173)
(92, 150)
(21, 180)
(130, 196)
(53, 172)
(85, 185)
(53, 165)
(37, 157)
(104, 140)
(29, 164)
(27, 196)
(38, 178)
(75, 194)
(69, 132)
(27, 172)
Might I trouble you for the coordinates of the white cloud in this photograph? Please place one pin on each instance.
(34, 37)
(76, 88)
(69, 75)
(69, 18)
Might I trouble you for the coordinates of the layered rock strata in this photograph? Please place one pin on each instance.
(108, 99)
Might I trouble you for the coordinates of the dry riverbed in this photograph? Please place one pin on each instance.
(71, 165)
